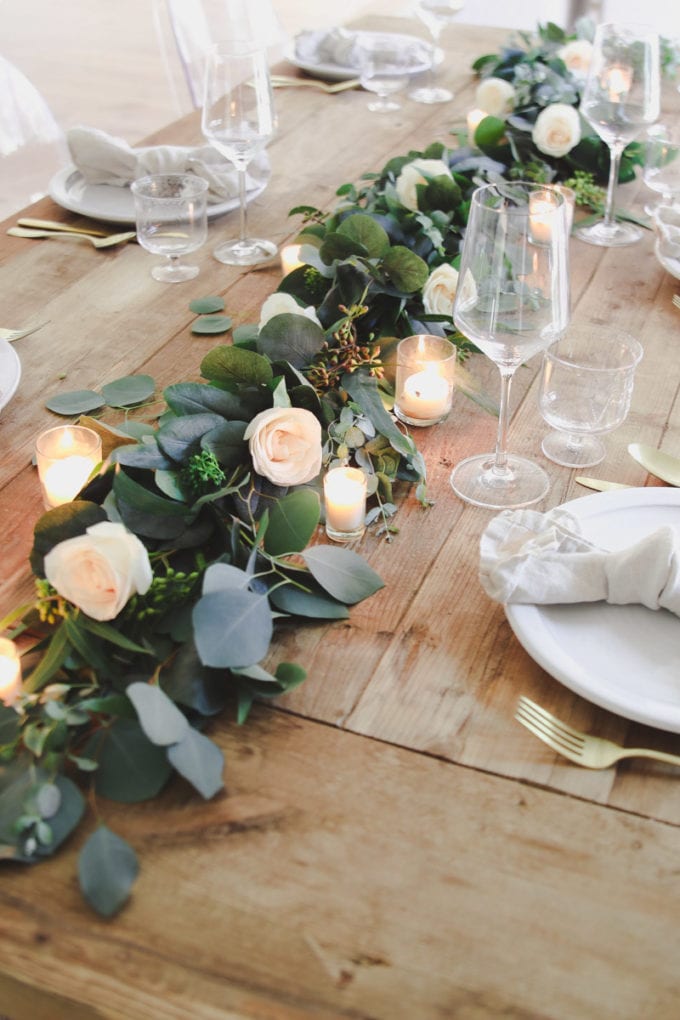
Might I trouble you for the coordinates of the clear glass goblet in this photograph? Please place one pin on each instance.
(238, 120)
(435, 15)
(386, 65)
(171, 220)
(585, 391)
(661, 170)
(619, 99)
(512, 301)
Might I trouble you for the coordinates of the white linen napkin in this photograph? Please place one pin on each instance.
(541, 558)
(104, 159)
(337, 46)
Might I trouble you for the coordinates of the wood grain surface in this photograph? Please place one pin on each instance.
(391, 844)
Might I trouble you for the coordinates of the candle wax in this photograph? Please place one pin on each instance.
(345, 500)
(10, 672)
(426, 395)
(64, 479)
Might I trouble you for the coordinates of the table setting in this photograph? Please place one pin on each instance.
(316, 566)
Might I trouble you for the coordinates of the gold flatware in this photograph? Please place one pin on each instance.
(662, 465)
(676, 300)
(599, 484)
(582, 748)
(283, 80)
(66, 228)
(62, 235)
(10, 335)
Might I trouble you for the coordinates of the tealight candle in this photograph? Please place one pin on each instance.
(424, 385)
(345, 502)
(290, 258)
(66, 457)
(474, 119)
(541, 212)
(10, 672)
(617, 81)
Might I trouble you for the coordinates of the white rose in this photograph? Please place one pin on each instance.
(284, 304)
(100, 570)
(577, 55)
(413, 174)
(440, 290)
(285, 444)
(495, 96)
(557, 130)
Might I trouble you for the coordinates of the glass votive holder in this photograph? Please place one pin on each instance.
(10, 672)
(344, 490)
(290, 258)
(66, 457)
(425, 377)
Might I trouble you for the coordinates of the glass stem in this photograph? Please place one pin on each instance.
(501, 457)
(243, 216)
(614, 164)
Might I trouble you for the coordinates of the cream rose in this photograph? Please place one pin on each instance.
(413, 174)
(285, 444)
(284, 304)
(100, 570)
(577, 55)
(557, 130)
(495, 96)
(440, 290)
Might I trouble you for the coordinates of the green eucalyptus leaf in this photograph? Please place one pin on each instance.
(292, 522)
(367, 232)
(316, 605)
(53, 659)
(197, 398)
(223, 576)
(200, 761)
(10, 725)
(232, 627)
(106, 631)
(60, 523)
(128, 391)
(342, 573)
(181, 437)
(290, 337)
(148, 513)
(227, 443)
(228, 365)
(206, 305)
(159, 717)
(337, 246)
(107, 869)
(489, 132)
(209, 324)
(143, 455)
(187, 681)
(131, 768)
(407, 271)
(75, 402)
(169, 482)
(290, 675)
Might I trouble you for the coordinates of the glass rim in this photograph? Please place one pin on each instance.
(507, 206)
(84, 433)
(198, 185)
(633, 346)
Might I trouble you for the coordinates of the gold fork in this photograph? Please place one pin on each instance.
(592, 752)
(281, 80)
(10, 335)
(110, 241)
(676, 300)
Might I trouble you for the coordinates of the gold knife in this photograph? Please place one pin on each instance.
(600, 484)
(57, 225)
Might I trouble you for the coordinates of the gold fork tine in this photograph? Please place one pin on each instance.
(549, 735)
(550, 722)
(676, 300)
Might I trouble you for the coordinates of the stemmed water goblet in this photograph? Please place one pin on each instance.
(386, 64)
(619, 99)
(585, 391)
(238, 120)
(171, 220)
(435, 15)
(512, 301)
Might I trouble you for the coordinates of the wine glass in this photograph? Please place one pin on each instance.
(585, 391)
(171, 220)
(512, 301)
(386, 63)
(238, 120)
(435, 15)
(619, 99)
(661, 170)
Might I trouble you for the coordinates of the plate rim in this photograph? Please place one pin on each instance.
(57, 190)
(13, 357)
(527, 623)
(340, 72)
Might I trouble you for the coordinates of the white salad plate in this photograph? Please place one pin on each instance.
(339, 72)
(623, 658)
(10, 372)
(111, 203)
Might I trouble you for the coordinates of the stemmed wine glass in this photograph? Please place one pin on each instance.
(171, 220)
(435, 15)
(512, 301)
(386, 63)
(620, 98)
(238, 120)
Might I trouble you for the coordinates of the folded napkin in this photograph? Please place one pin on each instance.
(667, 220)
(337, 46)
(531, 557)
(103, 159)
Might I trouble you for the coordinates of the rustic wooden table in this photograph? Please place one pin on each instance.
(391, 844)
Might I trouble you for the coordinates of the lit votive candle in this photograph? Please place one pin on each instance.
(290, 258)
(66, 456)
(541, 216)
(10, 672)
(345, 502)
(425, 376)
(474, 119)
(617, 82)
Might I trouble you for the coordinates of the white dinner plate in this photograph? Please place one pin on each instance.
(10, 372)
(111, 203)
(338, 72)
(622, 658)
